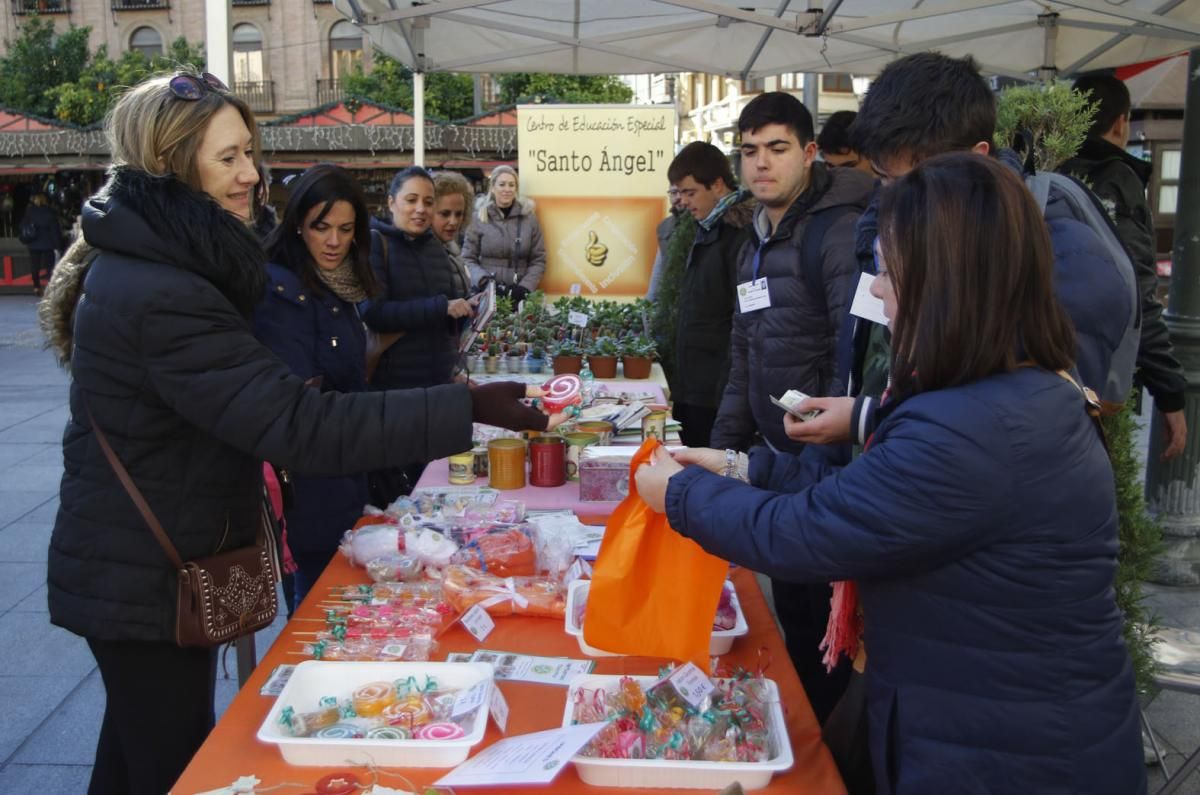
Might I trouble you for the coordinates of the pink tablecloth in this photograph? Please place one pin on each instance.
(540, 498)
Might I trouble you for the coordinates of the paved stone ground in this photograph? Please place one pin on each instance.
(49, 685)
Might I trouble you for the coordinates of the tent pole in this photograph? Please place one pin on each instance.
(812, 82)
(1173, 487)
(418, 118)
(1049, 25)
(217, 44)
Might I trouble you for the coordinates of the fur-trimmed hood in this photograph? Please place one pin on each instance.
(162, 220)
(740, 215)
(488, 211)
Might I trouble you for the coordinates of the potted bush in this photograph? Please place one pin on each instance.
(537, 358)
(491, 364)
(637, 356)
(568, 357)
(602, 357)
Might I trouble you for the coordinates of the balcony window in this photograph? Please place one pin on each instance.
(345, 49)
(20, 7)
(247, 54)
(147, 41)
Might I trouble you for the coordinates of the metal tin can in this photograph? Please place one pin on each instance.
(601, 428)
(462, 469)
(549, 464)
(655, 424)
(506, 463)
(575, 444)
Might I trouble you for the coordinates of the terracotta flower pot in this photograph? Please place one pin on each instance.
(568, 364)
(603, 366)
(636, 366)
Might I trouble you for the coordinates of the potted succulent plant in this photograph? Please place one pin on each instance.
(568, 357)
(491, 363)
(512, 361)
(602, 357)
(637, 356)
(471, 357)
(537, 357)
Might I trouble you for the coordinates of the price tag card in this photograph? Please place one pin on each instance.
(279, 678)
(470, 699)
(576, 288)
(865, 305)
(498, 708)
(577, 318)
(580, 568)
(478, 623)
(394, 649)
(753, 295)
(691, 683)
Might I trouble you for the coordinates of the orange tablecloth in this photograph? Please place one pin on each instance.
(232, 750)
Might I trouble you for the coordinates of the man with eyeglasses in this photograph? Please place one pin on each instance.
(833, 143)
(666, 228)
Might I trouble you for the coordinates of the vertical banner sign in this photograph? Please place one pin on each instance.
(598, 175)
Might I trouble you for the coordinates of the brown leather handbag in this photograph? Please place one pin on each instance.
(221, 597)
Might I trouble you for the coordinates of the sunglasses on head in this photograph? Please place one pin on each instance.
(191, 88)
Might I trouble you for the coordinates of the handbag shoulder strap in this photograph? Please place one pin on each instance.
(132, 490)
(1091, 404)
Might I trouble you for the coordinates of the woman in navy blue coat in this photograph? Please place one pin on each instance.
(980, 524)
(318, 274)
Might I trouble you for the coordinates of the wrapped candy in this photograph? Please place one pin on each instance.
(430, 547)
(372, 541)
(728, 726)
(505, 552)
(465, 587)
(394, 568)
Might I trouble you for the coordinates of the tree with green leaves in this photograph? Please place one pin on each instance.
(85, 100)
(37, 61)
(1058, 119)
(448, 95)
(524, 86)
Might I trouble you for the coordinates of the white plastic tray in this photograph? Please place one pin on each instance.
(677, 774)
(314, 679)
(721, 643)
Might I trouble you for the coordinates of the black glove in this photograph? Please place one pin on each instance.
(518, 293)
(499, 403)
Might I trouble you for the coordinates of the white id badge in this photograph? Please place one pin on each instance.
(753, 295)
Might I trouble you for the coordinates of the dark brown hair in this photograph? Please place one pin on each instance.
(970, 260)
(322, 185)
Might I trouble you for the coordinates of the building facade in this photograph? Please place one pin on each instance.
(288, 55)
(709, 105)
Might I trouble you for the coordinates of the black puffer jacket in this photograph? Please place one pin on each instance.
(49, 233)
(417, 282)
(791, 344)
(1120, 180)
(192, 404)
(707, 301)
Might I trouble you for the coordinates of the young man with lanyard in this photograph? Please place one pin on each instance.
(794, 282)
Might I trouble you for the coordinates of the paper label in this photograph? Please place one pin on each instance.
(753, 295)
(524, 759)
(576, 288)
(478, 622)
(691, 683)
(511, 667)
(865, 305)
(498, 708)
(394, 650)
(577, 318)
(279, 677)
(470, 699)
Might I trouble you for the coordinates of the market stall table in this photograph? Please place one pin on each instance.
(232, 751)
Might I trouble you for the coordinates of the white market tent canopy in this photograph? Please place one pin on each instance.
(1015, 38)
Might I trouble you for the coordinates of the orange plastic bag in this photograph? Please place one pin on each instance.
(653, 592)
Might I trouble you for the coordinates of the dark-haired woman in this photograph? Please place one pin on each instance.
(980, 524)
(420, 296)
(318, 273)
